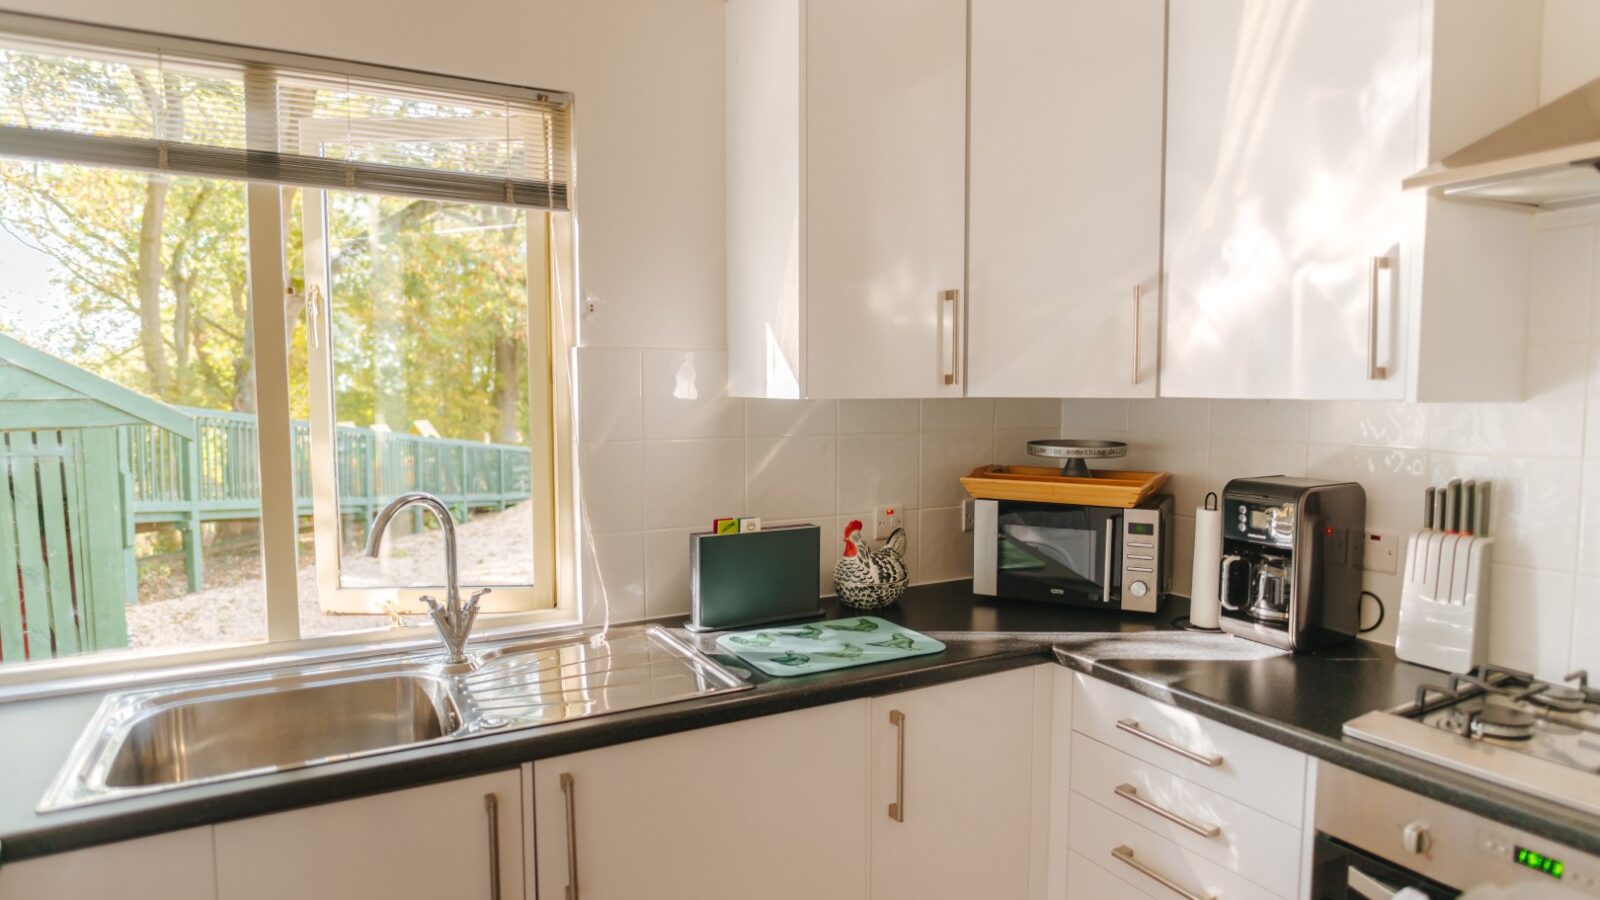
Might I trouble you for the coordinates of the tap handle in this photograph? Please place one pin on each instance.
(433, 605)
(473, 600)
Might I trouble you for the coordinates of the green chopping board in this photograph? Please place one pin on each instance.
(824, 646)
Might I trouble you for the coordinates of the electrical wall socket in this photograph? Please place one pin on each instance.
(886, 519)
(969, 514)
(1380, 552)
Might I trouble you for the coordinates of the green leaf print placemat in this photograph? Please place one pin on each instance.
(823, 646)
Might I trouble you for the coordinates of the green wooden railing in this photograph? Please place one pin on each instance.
(216, 476)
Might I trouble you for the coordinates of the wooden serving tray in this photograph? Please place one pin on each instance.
(1110, 487)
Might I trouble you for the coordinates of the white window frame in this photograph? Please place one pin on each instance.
(552, 259)
(333, 594)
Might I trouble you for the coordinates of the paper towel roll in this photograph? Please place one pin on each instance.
(1203, 591)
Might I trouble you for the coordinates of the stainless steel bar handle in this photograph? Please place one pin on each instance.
(1138, 327)
(955, 343)
(1124, 854)
(1131, 726)
(1364, 885)
(1375, 372)
(1105, 581)
(491, 807)
(1131, 794)
(897, 809)
(569, 792)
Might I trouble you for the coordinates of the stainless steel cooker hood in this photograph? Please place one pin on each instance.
(1548, 159)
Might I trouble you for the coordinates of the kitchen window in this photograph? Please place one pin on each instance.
(250, 298)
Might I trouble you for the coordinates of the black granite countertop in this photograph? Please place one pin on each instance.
(1299, 701)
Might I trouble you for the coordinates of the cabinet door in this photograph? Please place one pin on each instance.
(417, 844)
(770, 807)
(172, 866)
(1065, 204)
(885, 197)
(952, 792)
(1290, 124)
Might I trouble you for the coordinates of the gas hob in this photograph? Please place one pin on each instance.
(1503, 726)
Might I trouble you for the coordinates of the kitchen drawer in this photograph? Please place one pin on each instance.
(1256, 772)
(1156, 864)
(1087, 881)
(1248, 841)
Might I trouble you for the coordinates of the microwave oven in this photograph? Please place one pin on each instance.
(1104, 557)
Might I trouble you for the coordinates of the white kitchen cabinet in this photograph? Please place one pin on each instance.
(953, 789)
(846, 181)
(770, 807)
(1064, 235)
(452, 839)
(172, 866)
(1296, 267)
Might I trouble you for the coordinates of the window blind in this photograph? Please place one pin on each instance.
(84, 94)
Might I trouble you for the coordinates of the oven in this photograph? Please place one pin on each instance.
(1377, 841)
(1074, 554)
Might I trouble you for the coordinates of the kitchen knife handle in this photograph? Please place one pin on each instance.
(1375, 372)
(1427, 512)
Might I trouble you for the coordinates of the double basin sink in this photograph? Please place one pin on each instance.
(203, 731)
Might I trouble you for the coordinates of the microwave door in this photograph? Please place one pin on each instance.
(1048, 552)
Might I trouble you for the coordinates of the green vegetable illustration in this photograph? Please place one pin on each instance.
(791, 658)
(860, 625)
(845, 651)
(759, 639)
(898, 642)
(809, 632)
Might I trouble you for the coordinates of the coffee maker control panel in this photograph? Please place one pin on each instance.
(1261, 522)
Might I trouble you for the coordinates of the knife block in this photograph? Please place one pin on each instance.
(1444, 601)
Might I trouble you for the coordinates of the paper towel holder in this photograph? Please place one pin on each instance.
(1212, 504)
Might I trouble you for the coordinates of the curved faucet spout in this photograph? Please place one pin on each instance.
(446, 522)
(453, 619)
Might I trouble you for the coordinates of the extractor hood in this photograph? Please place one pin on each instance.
(1548, 159)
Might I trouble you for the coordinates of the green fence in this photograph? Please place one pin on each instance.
(217, 476)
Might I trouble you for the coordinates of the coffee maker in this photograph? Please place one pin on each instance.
(1291, 560)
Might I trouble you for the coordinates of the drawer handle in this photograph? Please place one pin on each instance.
(569, 791)
(1131, 726)
(1131, 794)
(1124, 854)
(491, 806)
(897, 809)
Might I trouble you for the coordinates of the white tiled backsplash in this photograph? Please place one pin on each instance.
(664, 451)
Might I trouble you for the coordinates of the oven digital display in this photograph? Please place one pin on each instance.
(1260, 520)
(1147, 528)
(1538, 862)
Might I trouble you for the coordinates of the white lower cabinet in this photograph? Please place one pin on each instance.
(459, 839)
(172, 866)
(1166, 802)
(773, 807)
(952, 789)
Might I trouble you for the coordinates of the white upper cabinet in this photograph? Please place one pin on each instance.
(1296, 266)
(846, 197)
(1064, 232)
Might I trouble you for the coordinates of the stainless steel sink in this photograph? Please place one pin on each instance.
(202, 731)
(215, 732)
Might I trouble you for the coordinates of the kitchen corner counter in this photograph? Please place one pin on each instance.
(1302, 702)
(1299, 701)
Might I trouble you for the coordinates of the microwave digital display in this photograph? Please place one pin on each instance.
(1145, 528)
